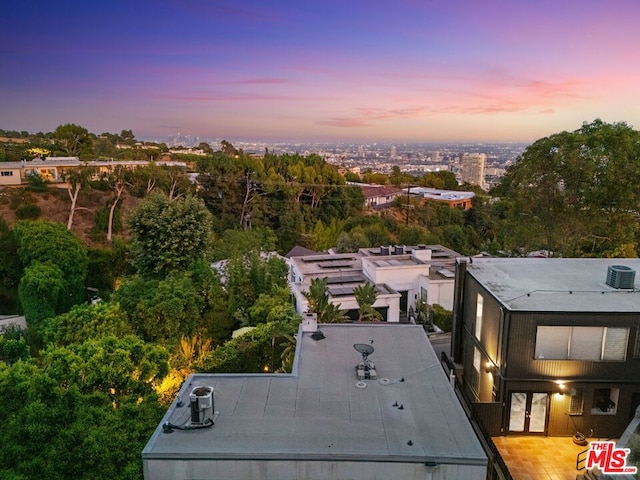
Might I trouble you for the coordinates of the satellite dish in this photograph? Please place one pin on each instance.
(363, 348)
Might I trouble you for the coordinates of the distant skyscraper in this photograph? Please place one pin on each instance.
(394, 152)
(473, 168)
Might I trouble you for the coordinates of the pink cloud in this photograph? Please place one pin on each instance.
(229, 98)
(344, 123)
(260, 81)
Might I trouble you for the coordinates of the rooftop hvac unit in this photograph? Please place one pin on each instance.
(399, 250)
(201, 400)
(620, 276)
(385, 250)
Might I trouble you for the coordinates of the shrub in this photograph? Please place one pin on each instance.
(28, 212)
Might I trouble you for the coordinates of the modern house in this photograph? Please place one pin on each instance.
(400, 274)
(322, 421)
(453, 198)
(10, 173)
(548, 346)
(54, 169)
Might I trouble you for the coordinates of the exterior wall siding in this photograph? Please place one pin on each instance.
(202, 469)
(508, 341)
(522, 336)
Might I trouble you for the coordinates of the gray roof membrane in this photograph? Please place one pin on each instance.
(322, 411)
(556, 284)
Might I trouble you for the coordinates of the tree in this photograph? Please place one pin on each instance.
(89, 405)
(575, 193)
(318, 298)
(40, 288)
(73, 139)
(168, 235)
(87, 321)
(233, 243)
(117, 182)
(366, 296)
(51, 243)
(76, 178)
(162, 310)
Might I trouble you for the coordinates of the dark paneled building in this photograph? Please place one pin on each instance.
(548, 346)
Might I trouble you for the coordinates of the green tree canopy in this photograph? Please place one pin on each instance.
(168, 235)
(51, 243)
(74, 140)
(575, 193)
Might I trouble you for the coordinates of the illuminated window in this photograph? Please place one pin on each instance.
(479, 302)
(475, 371)
(581, 343)
(605, 400)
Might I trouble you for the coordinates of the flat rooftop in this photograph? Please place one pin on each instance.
(322, 412)
(556, 284)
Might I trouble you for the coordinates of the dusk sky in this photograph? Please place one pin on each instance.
(375, 70)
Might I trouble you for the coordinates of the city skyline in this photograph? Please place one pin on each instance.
(402, 71)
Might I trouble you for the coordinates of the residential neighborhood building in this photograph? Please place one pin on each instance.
(548, 346)
(322, 421)
(378, 196)
(454, 198)
(54, 169)
(400, 274)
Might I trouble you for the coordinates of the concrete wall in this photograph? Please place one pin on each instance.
(202, 469)
(9, 176)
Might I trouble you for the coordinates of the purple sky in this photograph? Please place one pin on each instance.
(374, 70)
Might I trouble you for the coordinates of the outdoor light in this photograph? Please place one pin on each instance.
(489, 367)
(561, 387)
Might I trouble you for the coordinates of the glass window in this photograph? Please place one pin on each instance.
(614, 346)
(552, 343)
(581, 343)
(475, 371)
(585, 343)
(479, 302)
(605, 400)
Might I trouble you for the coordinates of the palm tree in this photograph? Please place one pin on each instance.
(366, 297)
(318, 298)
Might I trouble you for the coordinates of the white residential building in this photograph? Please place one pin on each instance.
(401, 275)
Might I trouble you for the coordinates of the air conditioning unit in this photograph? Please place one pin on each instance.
(201, 400)
(620, 276)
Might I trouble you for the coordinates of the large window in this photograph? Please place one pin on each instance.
(475, 371)
(581, 343)
(605, 400)
(478, 328)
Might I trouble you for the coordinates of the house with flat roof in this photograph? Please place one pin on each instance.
(454, 198)
(54, 169)
(548, 346)
(400, 274)
(322, 421)
(10, 173)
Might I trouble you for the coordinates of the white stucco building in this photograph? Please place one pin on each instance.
(401, 275)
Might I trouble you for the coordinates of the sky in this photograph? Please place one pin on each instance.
(330, 70)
